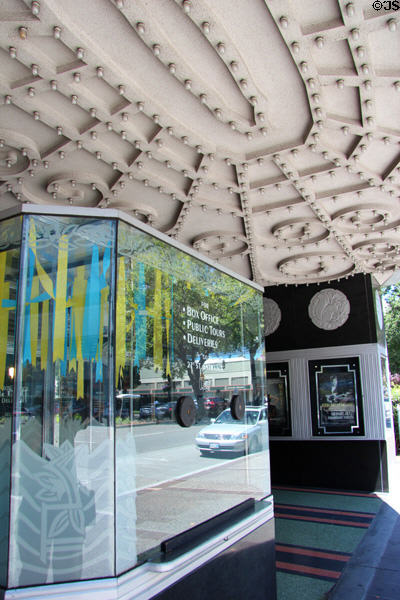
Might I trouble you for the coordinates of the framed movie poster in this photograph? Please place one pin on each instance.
(336, 397)
(278, 399)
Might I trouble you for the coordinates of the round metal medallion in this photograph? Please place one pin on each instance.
(329, 309)
(272, 316)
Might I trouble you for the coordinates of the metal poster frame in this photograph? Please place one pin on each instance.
(336, 397)
(278, 394)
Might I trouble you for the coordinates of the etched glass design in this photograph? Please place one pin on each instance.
(62, 506)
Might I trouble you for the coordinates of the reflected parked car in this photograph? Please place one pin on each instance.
(159, 410)
(214, 406)
(166, 410)
(227, 435)
(147, 411)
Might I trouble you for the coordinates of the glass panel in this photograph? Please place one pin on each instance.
(183, 328)
(62, 525)
(10, 241)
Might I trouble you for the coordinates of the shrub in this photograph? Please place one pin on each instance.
(395, 390)
(395, 379)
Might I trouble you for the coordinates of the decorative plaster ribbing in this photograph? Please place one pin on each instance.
(286, 141)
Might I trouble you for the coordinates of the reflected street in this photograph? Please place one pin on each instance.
(157, 447)
(172, 477)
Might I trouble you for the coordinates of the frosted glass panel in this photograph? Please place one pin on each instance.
(10, 241)
(62, 520)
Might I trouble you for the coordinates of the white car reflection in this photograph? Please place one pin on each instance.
(227, 435)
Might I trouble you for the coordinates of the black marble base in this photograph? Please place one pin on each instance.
(245, 570)
(344, 465)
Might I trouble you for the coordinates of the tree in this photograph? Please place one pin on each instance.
(392, 326)
(176, 289)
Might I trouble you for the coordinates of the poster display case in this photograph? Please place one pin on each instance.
(336, 397)
(278, 397)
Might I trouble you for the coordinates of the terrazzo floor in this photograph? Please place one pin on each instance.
(316, 533)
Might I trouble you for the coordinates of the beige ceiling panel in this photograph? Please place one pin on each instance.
(14, 10)
(197, 56)
(265, 133)
(48, 49)
(385, 50)
(147, 204)
(275, 198)
(265, 56)
(220, 170)
(309, 160)
(343, 144)
(342, 104)
(59, 109)
(101, 93)
(145, 127)
(381, 155)
(333, 57)
(182, 153)
(264, 172)
(15, 119)
(387, 100)
(12, 70)
(315, 16)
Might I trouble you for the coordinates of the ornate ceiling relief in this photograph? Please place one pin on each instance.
(84, 189)
(299, 231)
(329, 309)
(217, 244)
(287, 140)
(314, 267)
(378, 253)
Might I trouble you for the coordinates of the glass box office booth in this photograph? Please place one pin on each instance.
(113, 340)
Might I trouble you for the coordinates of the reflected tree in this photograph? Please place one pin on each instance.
(193, 311)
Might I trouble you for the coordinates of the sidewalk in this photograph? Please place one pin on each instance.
(373, 572)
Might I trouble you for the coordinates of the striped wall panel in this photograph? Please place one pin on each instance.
(371, 382)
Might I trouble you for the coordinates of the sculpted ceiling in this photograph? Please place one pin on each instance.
(264, 134)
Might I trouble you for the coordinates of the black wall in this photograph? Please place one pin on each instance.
(245, 570)
(296, 329)
(335, 464)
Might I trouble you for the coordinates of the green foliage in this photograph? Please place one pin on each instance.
(395, 390)
(392, 326)
(187, 283)
(396, 395)
(392, 329)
